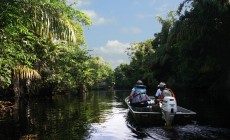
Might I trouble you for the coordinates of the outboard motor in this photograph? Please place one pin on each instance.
(169, 109)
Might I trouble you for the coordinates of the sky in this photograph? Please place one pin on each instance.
(118, 23)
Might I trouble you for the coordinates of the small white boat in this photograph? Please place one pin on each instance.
(166, 113)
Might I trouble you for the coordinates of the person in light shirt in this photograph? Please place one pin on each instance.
(162, 91)
(161, 87)
(138, 96)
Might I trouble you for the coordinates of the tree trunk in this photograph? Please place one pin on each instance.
(16, 86)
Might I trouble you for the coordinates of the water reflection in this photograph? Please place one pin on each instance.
(62, 117)
(104, 115)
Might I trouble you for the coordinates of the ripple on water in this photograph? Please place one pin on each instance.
(188, 132)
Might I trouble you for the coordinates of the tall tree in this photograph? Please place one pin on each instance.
(28, 32)
(204, 30)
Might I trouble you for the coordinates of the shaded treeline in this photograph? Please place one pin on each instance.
(43, 50)
(191, 51)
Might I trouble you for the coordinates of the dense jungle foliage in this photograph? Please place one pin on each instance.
(191, 51)
(43, 50)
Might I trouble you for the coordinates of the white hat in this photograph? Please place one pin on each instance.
(139, 82)
(162, 84)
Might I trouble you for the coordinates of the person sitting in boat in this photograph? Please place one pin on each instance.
(138, 96)
(162, 92)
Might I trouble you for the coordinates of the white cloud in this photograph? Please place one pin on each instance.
(97, 20)
(113, 52)
(83, 3)
(133, 30)
(78, 3)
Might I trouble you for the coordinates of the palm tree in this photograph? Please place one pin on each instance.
(55, 20)
(28, 31)
(20, 73)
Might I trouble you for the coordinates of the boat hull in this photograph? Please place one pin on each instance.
(150, 116)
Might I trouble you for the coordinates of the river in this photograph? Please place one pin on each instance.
(103, 115)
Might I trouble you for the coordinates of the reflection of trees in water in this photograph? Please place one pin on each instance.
(62, 117)
(100, 101)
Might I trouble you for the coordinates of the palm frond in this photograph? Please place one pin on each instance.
(24, 72)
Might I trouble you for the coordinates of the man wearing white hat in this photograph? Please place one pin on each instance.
(163, 91)
(161, 87)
